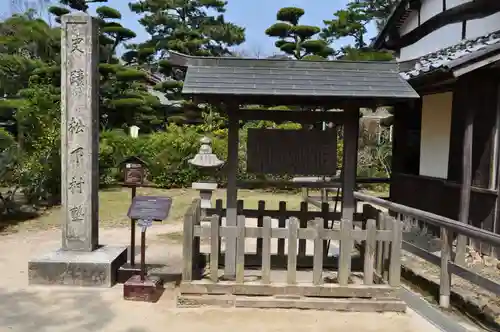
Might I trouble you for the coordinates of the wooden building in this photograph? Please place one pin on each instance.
(445, 152)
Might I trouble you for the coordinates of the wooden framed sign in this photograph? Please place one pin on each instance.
(133, 171)
(292, 152)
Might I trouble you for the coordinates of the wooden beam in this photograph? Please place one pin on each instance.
(463, 215)
(349, 163)
(292, 116)
(232, 195)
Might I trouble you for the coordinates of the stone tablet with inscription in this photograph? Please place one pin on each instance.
(150, 207)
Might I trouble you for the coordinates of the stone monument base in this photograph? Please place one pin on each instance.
(76, 268)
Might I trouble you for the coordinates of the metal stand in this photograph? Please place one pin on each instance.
(143, 287)
(129, 269)
(132, 231)
(143, 253)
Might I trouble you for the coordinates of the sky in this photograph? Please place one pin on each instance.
(254, 15)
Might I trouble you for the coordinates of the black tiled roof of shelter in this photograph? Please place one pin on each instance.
(290, 78)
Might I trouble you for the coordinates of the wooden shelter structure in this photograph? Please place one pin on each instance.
(234, 83)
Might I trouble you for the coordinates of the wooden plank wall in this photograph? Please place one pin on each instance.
(442, 196)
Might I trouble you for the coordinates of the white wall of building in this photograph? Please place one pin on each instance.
(447, 35)
(436, 40)
(435, 134)
(483, 26)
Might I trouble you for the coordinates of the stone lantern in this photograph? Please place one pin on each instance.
(208, 163)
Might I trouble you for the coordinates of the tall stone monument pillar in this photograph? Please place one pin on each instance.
(80, 132)
(80, 261)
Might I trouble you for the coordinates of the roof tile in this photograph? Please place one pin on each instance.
(452, 56)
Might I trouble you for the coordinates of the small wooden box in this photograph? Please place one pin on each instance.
(148, 290)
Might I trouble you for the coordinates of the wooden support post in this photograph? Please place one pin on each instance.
(445, 277)
(466, 182)
(232, 195)
(349, 162)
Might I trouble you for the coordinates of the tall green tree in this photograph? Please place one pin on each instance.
(297, 40)
(193, 27)
(353, 22)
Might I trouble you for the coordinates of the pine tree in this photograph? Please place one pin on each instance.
(125, 99)
(185, 26)
(352, 22)
(295, 39)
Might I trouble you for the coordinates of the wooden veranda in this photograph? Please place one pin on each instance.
(310, 85)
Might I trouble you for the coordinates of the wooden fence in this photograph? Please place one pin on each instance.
(282, 214)
(294, 288)
(448, 229)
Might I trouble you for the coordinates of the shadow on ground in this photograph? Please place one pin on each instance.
(55, 310)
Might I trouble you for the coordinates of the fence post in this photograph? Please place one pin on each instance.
(387, 248)
(197, 258)
(214, 248)
(240, 249)
(266, 250)
(187, 248)
(395, 256)
(380, 246)
(261, 207)
(325, 214)
(318, 252)
(281, 224)
(445, 277)
(303, 224)
(346, 243)
(219, 211)
(293, 226)
(370, 244)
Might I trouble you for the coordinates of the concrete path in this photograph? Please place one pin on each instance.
(26, 308)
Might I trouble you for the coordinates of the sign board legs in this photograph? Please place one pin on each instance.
(143, 287)
(129, 269)
(132, 231)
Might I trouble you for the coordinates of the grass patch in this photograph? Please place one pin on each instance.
(114, 204)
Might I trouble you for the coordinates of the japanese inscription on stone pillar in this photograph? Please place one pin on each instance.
(79, 132)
